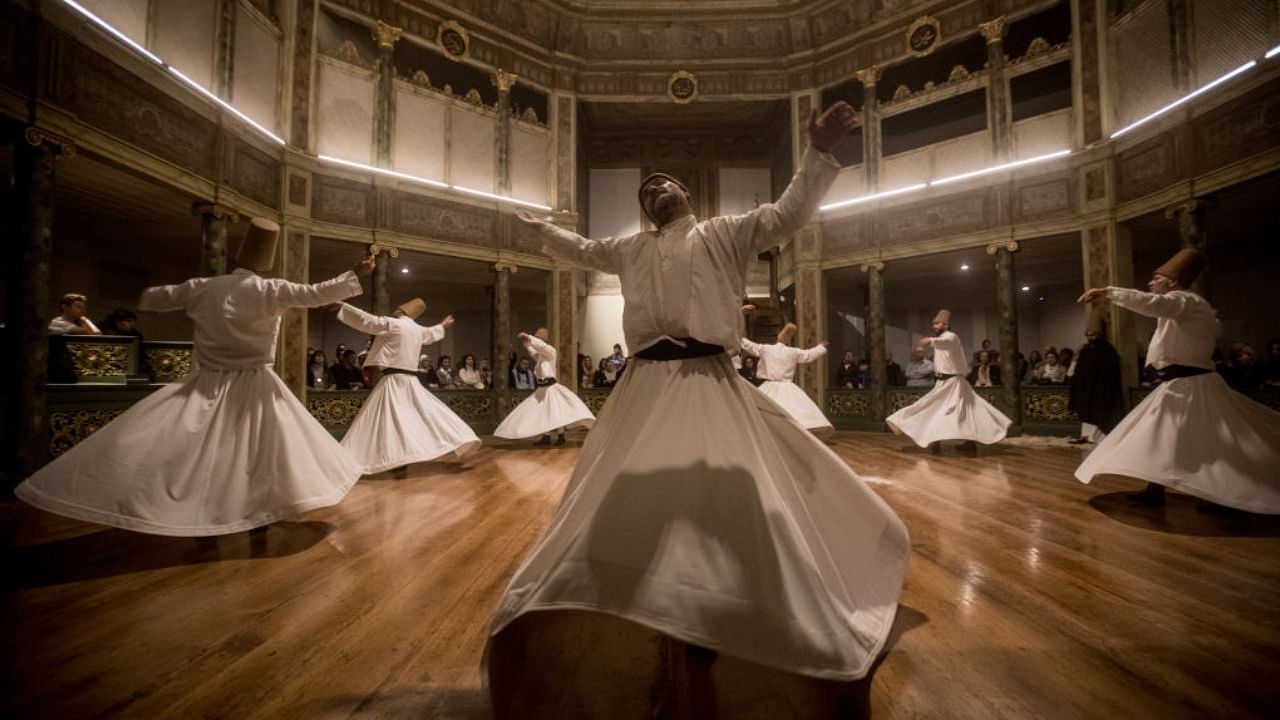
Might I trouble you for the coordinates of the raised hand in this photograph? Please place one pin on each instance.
(447, 321)
(1092, 294)
(925, 341)
(826, 131)
(533, 221)
(364, 267)
(748, 309)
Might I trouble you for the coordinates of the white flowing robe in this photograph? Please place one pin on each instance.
(951, 410)
(401, 422)
(777, 368)
(226, 448)
(698, 507)
(550, 407)
(1193, 434)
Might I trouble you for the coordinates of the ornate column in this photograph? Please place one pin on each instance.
(299, 122)
(1190, 218)
(564, 121)
(504, 80)
(292, 260)
(385, 112)
(1007, 306)
(501, 337)
(28, 253)
(1180, 45)
(1108, 260)
(564, 307)
(380, 290)
(224, 48)
(999, 122)
(1088, 43)
(872, 148)
(875, 328)
(214, 219)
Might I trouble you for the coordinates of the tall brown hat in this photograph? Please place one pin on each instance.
(943, 316)
(787, 332)
(652, 177)
(257, 251)
(1184, 266)
(413, 308)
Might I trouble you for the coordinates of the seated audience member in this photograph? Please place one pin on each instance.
(346, 375)
(1036, 361)
(984, 373)
(920, 372)
(1066, 358)
(444, 373)
(121, 321)
(606, 376)
(1051, 372)
(486, 374)
(426, 371)
(585, 371)
(864, 374)
(893, 371)
(522, 375)
(469, 374)
(617, 359)
(847, 372)
(748, 370)
(317, 373)
(73, 321)
(1242, 370)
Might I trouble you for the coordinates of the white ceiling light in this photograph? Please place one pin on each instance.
(998, 168)
(1026, 288)
(118, 35)
(875, 196)
(404, 270)
(500, 198)
(382, 171)
(964, 267)
(1184, 99)
(1273, 52)
(226, 105)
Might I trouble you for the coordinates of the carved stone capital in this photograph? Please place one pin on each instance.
(869, 75)
(382, 247)
(993, 30)
(37, 137)
(503, 80)
(997, 246)
(1188, 206)
(220, 212)
(877, 265)
(502, 265)
(386, 35)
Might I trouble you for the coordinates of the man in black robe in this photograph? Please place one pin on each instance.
(1096, 393)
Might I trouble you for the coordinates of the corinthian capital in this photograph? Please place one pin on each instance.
(386, 35)
(993, 31)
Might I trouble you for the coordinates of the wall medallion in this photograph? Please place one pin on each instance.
(923, 35)
(453, 38)
(682, 87)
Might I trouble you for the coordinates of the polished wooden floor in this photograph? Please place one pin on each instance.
(1029, 595)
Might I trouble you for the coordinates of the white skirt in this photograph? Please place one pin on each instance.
(401, 423)
(950, 411)
(795, 401)
(1197, 435)
(702, 510)
(548, 409)
(214, 453)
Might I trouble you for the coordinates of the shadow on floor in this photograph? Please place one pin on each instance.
(113, 552)
(1184, 515)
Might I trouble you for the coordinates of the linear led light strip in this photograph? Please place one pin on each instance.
(944, 181)
(225, 105)
(1188, 96)
(1273, 52)
(433, 183)
(114, 32)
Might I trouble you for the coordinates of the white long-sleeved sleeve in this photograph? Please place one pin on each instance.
(1170, 305)
(764, 226)
(433, 334)
(813, 353)
(947, 340)
(165, 298)
(752, 348)
(570, 246)
(287, 294)
(357, 319)
(540, 350)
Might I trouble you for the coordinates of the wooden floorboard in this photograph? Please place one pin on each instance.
(1029, 595)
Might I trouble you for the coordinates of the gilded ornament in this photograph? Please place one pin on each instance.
(453, 39)
(869, 75)
(382, 247)
(530, 115)
(1039, 46)
(386, 35)
(503, 80)
(923, 35)
(67, 428)
(959, 72)
(993, 30)
(849, 403)
(420, 79)
(347, 52)
(337, 410)
(473, 97)
(995, 247)
(902, 92)
(99, 359)
(682, 87)
(168, 363)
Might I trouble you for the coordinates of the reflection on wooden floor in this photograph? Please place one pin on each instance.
(1029, 595)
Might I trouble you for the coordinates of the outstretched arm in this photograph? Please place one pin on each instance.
(355, 318)
(435, 333)
(813, 353)
(752, 348)
(1169, 305)
(566, 245)
(165, 298)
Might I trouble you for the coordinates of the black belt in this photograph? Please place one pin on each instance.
(943, 376)
(666, 350)
(398, 371)
(544, 382)
(1173, 372)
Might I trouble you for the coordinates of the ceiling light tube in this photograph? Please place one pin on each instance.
(1273, 52)
(1184, 98)
(874, 196)
(106, 26)
(225, 105)
(383, 171)
(998, 168)
(500, 198)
